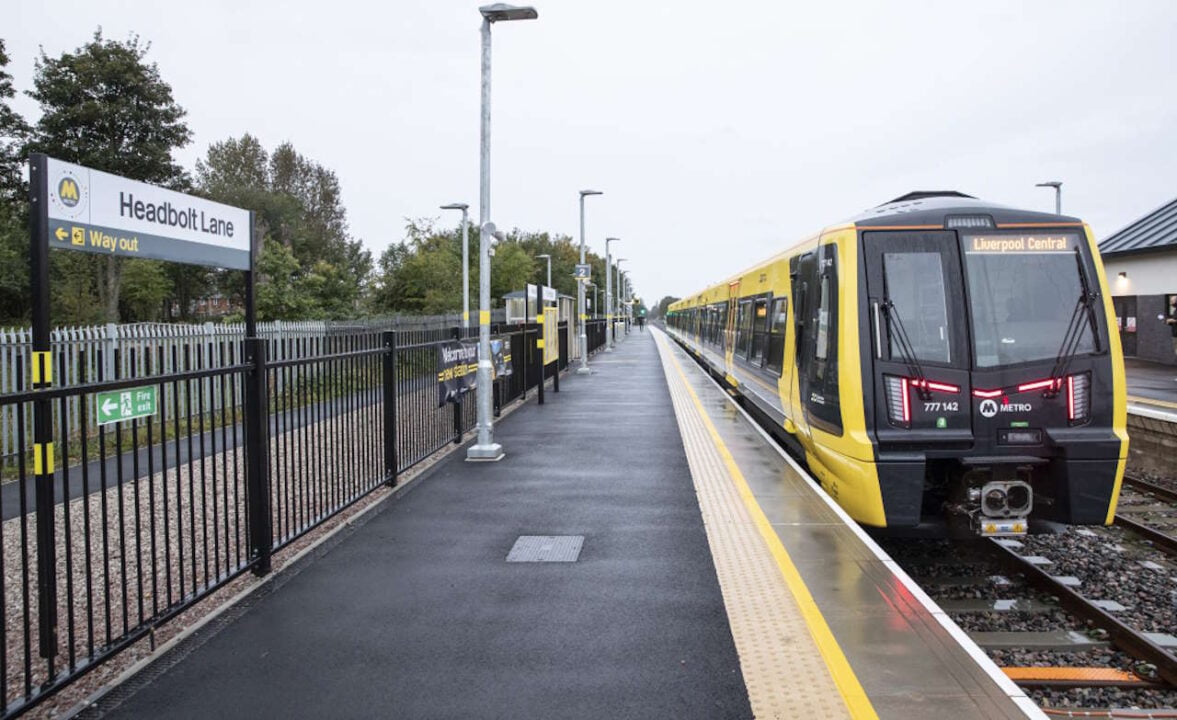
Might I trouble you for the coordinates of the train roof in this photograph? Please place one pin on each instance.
(925, 209)
(932, 207)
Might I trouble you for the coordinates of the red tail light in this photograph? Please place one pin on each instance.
(1038, 385)
(987, 393)
(898, 400)
(937, 386)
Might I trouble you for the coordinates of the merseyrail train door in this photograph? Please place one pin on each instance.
(918, 339)
(815, 293)
(729, 332)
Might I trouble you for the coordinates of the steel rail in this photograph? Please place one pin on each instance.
(1123, 636)
(1151, 488)
(1164, 542)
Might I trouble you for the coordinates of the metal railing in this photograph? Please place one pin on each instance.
(254, 442)
(78, 350)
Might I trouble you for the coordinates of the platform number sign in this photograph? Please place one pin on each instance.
(121, 405)
(583, 272)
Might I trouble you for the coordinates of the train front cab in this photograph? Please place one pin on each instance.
(992, 383)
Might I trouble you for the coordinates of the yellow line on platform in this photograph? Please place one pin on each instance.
(1150, 401)
(853, 694)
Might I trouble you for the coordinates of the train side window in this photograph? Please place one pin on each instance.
(776, 333)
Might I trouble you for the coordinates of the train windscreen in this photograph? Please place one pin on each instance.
(1022, 292)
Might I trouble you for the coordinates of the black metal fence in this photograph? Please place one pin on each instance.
(131, 523)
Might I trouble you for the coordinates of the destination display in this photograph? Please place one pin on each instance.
(94, 211)
(1037, 243)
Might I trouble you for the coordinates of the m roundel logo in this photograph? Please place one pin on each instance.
(67, 191)
(68, 194)
(988, 408)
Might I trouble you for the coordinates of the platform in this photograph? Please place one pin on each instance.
(698, 574)
(1152, 389)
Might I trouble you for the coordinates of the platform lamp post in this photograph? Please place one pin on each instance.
(584, 368)
(609, 295)
(547, 257)
(485, 448)
(1058, 194)
(620, 294)
(465, 260)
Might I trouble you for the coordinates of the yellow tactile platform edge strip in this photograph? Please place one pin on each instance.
(792, 665)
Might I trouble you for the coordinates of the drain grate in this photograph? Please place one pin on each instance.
(546, 548)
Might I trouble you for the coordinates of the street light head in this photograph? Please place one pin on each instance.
(455, 206)
(1053, 183)
(545, 255)
(612, 239)
(500, 12)
(583, 193)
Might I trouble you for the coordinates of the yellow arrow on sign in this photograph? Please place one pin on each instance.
(61, 233)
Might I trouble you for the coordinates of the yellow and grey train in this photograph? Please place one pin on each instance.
(939, 362)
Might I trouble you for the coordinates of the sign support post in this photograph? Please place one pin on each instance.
(42, 375)
(256, 426)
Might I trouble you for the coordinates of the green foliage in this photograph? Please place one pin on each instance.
(298, 207)
(423, 274)
(146, 286)
(281, 297)
(663, 304)
(106, 107)
(14, 254)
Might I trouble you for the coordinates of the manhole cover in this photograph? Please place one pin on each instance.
(546, 548)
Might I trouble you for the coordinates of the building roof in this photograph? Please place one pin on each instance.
(1155, 231)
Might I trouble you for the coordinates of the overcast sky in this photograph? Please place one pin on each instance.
(720, 132)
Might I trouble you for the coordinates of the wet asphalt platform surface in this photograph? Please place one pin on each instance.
(417, 614)
(1150, 380)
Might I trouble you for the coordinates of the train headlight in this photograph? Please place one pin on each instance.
(1079, 398)
(898, 400)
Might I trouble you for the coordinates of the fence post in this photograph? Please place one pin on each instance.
(556, 375)
(257, 453)
(456, 334)
(390, 459)
(539, 340)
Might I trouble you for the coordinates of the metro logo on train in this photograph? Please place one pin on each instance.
(941, 366)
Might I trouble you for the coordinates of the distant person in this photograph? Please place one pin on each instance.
(642, 324)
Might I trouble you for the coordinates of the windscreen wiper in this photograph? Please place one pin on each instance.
(1081, 317)
(906, 351)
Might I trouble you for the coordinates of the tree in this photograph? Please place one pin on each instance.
(14, 255)
(298, 205)
(104, 106)
(663, 304)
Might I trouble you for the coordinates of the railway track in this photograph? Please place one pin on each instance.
(1076, 658)
(1159, 538)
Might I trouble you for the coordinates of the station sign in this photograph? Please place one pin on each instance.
(583, 272)
(120, 405)
(97, 212)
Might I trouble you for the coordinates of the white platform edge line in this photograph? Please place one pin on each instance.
(1152, 413)
(974, 651)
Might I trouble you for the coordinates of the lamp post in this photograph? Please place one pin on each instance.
(465, 261)
(1058, 194)
(620, 292)
(584, 368)
(549, 259)
(485, 448)
(609, 295)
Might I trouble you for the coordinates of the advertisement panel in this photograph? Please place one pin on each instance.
(457, 370)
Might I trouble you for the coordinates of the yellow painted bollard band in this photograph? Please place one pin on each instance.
(540, 343)
(484, 317)
(42, 368)
(43, 458)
